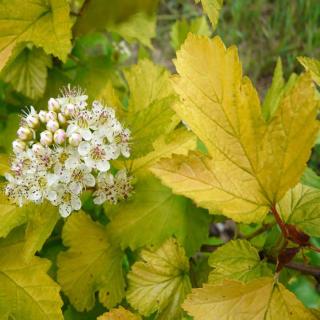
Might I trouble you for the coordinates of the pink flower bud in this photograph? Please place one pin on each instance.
(52, 125)
(70, 110)
(62, 119)
(59, 136)
(33, 121)
(37, 148)
(46, 138)
(51, 115)
(18, 146)
(43, 116)
(75, 139)
(24, 133)
(53, 105)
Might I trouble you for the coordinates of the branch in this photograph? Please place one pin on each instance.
(304, 268)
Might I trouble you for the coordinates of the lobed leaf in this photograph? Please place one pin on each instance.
(90, 265)
(160, 282)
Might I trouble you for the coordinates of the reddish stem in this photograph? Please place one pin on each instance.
(279, 221)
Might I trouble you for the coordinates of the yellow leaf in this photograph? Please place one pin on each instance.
(251, 163)
(90, 264)
(212, 9)
(160, 282)
(45, 23)
(261, 299)
(313, 66)
(147, 82)
(27, 292)
(11, 215)
(118, 314)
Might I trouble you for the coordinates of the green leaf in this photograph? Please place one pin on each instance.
(180, 141)
(11, 216)
(313, 66)
(99, 14)
(212, 9)
(160, 282)
(154, 214)
(10, 131)
(45, 23)
(27, 292)
(148, 124)
(90, 264)
(261, 299)
(27, 73)
(139, 27)
(181, 28)
(310, 178)
(40, 226)
(4, 164)
(301, 206)
(237, 260)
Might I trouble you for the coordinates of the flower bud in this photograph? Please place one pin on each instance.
(59, 136)
(33, 121)
(37, 148)
(51, 115)
(53, 105)
(75, 139)
(69, 110)
(62, 119)
(18, 146)
(24, 133)
(52, 125)
(43, 116)
(46, 138)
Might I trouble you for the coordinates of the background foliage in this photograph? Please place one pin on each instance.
(157, 246)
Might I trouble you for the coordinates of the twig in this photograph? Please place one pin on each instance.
(304, 268)
(256, 233)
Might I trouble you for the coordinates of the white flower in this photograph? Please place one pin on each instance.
(95, 155)
(58, 164)
(81, 124)
(67, 201)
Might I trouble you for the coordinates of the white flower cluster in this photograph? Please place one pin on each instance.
(63, 151)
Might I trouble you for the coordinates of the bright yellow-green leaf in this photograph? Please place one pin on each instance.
(310, 178)
(90, 264)
(154, 214)
(27, 73)
(301, 206)
(261, 299)
(147, 82)
(45, 23)
(313, 66)
(180, 141)
(139, 27)
(150, 112)
(148, 124)
(251, 163)
(40, 225)
(160, 282)
(237, 260)
(11, 216)
(181, 28)
(4, 164)
(212, 9)
(27, 292)
(276, 91)
(119, 314)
